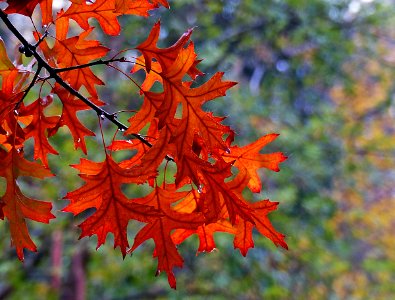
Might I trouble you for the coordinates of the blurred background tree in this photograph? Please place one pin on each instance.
(318, 72)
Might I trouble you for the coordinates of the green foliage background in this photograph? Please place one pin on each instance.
(336, 192)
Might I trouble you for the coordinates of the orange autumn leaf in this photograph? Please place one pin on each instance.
(205, 195)
(160, 229)
(74, 51)
(205, 234)
(102, 10)
(38, 128)
(69, 118)
(248, 160)
(8, 71)
(164, 3)
(164, 56)
(12, 77)
(26, 8)
(102, 191)
(134, 7)
(106, 12)
(174, 63)
(16, 207)
(243, 237)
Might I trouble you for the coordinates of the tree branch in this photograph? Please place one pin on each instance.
(53, 72)
(94, 63)
(32, 83)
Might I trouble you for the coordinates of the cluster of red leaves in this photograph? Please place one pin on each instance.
(205, 196)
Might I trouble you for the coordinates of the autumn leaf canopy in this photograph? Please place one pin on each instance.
(171, 129)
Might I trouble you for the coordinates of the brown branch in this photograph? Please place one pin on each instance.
(32, 83)
(53, 72)
(94, 63)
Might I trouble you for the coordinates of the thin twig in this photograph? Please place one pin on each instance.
(32, 83)
(94, 63)
(41, 39)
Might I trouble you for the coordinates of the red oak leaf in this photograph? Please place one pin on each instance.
(159, 150)
(106, 13)
(165, 56)
(249, 160)
(151, 77)
(102, 191)
(134, 7)
(197, 121)
(102, 10)
(133, 145)
(161, 2)
(13, 77)
(26, 7)
(46, 11)
(7, 104)
(205, 234)
(146, 113)
(11, 132)
(263, 224)
(69, 118)
(16, 207)
(179, 130)
(137, 146)
(160, 229)
(219, 200)
(164, 105)
(243, 237)
(38, 128)
(8, 71)
(76, 51)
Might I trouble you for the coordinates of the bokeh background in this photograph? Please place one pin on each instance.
(319, 72)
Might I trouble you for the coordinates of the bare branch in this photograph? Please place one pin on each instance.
(94, 63)
(32, 83)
